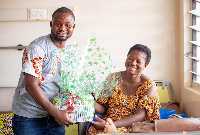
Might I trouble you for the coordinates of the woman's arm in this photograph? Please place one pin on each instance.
(100, 108)
(151, 92)
(140, 113)
(126, 122)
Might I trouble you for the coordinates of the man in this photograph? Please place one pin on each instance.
(39, 81)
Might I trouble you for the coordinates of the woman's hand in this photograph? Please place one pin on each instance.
(99, 124)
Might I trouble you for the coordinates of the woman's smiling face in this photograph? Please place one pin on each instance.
(135, 62)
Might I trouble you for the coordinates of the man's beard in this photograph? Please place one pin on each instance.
(57, 38)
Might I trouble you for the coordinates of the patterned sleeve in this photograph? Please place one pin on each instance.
(151, 105)
(33, 59)
(112, 80)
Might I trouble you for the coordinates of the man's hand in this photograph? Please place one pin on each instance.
(99, 124)
(33, 88)
(63, 117)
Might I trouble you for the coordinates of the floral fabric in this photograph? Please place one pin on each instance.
(6, 124)
(122, 106)
(35, 59)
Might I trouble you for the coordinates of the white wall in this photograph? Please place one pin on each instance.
(116, 24)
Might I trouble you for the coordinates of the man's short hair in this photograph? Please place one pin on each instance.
(63, 10)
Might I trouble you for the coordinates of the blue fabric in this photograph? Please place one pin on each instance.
(183, 115)
(36, 126)
(165, 113)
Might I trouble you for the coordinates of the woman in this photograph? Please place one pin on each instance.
(133, 99)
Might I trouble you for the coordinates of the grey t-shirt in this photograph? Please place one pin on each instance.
(41, 59)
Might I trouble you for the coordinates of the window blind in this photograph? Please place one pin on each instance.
(195, 27)
(195, 12)
(195, 41)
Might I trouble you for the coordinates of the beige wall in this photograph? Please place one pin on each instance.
(116, 24)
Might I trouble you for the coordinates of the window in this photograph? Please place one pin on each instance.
(195, 41)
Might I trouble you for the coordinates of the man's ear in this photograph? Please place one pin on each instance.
(50, 23)
(146, 65)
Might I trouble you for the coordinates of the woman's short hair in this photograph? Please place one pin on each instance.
(142, 48)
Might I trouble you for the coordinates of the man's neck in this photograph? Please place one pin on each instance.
(58, 44)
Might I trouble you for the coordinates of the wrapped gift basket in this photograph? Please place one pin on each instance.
(83, 77)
